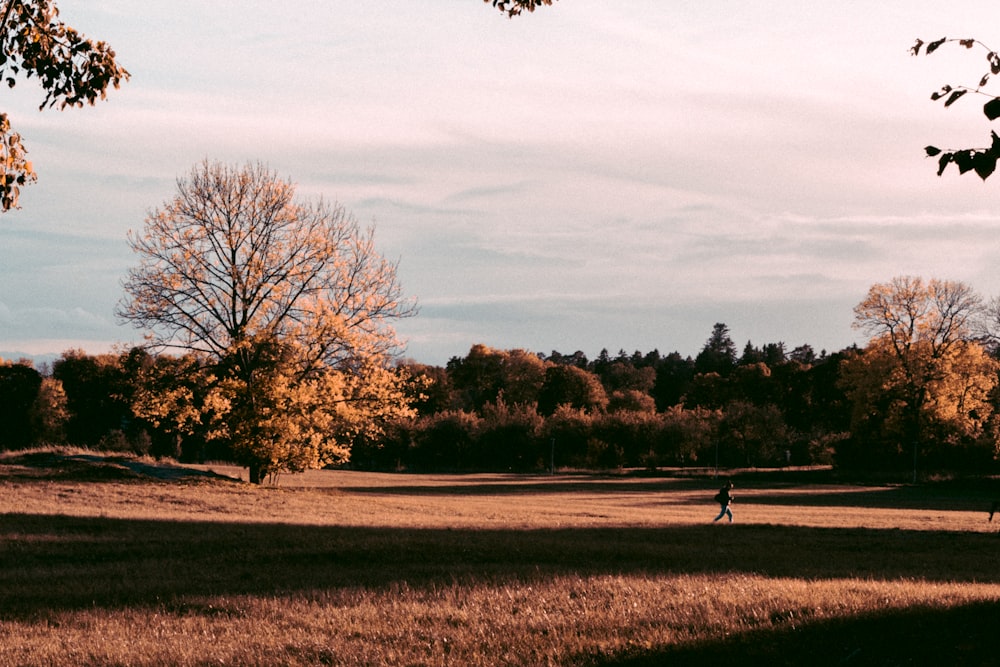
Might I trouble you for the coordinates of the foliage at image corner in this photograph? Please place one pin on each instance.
(72, 70)
(981, 160)
(514, 8)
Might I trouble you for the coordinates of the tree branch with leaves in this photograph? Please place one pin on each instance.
(72, 70)
(982, 160)
(513, 8)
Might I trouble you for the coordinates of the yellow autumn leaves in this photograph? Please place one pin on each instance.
(284, 308)
(926, 375)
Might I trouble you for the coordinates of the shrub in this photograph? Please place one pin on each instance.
(508, 437)
(567, 432)
(445, 440)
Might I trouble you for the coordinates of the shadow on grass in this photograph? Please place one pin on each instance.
(963, 495)
(973, 496)
(52, 563)
(928, 497)
(522, 484)
(962, 635)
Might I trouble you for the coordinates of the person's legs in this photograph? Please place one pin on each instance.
(729, 512)
(722, 513)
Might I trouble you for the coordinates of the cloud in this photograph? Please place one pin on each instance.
(584, 177)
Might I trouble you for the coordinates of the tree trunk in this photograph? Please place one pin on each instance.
(258, 471)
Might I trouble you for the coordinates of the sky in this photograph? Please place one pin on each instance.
(618, 175)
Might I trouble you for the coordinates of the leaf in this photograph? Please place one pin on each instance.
(941, 93)
(932, 150)
(932, 47)
(943, 162)
(984, 80)
(967, 43)
(992, 108)
(994, 62)
(915, 49)
(985, 163)
(965, 160)
(954, 97)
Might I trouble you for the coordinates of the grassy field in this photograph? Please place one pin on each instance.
(131, 562)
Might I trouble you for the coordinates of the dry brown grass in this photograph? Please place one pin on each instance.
(133, 562)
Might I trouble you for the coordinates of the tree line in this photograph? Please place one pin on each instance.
(491, 409)
(922, 395)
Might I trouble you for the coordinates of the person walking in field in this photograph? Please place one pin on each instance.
(724, 497)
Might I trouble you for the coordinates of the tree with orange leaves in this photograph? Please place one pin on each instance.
(288, 304)
(923, 378)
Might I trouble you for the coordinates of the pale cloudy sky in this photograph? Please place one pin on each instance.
(596, 174)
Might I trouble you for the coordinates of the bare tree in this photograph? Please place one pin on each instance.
(908, 311)
(287, 301)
